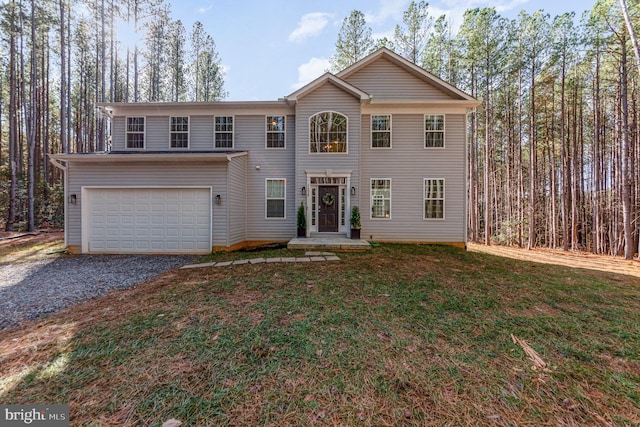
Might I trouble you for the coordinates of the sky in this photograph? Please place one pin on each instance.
(269, 49)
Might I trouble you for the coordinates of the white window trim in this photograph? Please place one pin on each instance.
(375, 218)
(319, 153)
(444, 199)
(390, 132)
(126, 133)
(188, 133)
(233, 133)
(267, 131)
(266, 180)
(444, 131)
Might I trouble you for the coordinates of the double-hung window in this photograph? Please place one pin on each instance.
(179, 131)
(433, 198)
(434, 131)
(275, 132)
(381, 198)
(381, 131)
(135, 132)
(223, 132)
(275, 198)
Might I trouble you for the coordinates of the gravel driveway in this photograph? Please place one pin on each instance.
(32, 288)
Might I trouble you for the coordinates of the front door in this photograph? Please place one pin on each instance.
(328, 209)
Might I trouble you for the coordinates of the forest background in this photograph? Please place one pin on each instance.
(553, 148)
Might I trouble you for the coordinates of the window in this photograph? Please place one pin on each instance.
(179, 131)
(434, 131)
(275, 198)
(381, 198)
(224, 132)
(433, 198)
(275, 132)
(328, 133)
(135, 132)
(381, 131)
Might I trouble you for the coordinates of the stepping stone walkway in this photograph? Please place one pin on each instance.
(309, 257)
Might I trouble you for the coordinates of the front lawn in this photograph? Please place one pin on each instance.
(402, 335)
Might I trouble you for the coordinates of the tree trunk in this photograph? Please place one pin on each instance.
(625, 179)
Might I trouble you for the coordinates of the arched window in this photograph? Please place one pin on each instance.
(328, 133)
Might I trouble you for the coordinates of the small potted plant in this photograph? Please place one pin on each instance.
(302, 221)
(355, 223)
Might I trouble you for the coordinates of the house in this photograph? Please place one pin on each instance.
(383, 134)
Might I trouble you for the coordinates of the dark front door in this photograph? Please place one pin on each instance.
(328, 209)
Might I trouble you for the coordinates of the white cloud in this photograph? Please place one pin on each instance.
(389, 9)
(310, 71)
(310, 25)
(204, 10)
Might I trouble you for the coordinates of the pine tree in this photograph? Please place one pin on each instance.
(354, 42)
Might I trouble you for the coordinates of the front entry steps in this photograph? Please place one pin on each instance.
(333, 243)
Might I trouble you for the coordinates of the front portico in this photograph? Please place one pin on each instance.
(329, 196)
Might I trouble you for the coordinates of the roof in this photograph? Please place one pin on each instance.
(330, 78)
(411, 68)
(158, 156)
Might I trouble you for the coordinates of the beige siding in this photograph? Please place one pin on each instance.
(274, 164)
(327, 98)
(157, 133)
(384, 80)
(118, 133)
(237, 204)
(156, 174)
(407, 164)
(201, 133)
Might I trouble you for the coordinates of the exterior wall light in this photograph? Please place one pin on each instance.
(218, 199)
(73, 199)
(304, 191)
(353, 191)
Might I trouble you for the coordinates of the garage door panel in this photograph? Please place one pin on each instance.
(148, 220)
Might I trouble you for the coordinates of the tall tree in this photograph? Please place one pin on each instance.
(354, 42)
(176, 52)
(440, 56)
(410, 38)
(483, 34)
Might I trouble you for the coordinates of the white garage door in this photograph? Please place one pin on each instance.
(155, 220)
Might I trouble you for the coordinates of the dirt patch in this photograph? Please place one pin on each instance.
(21, 246)
(573, 259)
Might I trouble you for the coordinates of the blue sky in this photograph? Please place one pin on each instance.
(269, 49)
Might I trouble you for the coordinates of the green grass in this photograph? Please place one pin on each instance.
(403, 335)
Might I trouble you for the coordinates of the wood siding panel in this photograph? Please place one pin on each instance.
(407, 164)
(384, 80)
(118, 133)
(157, 133)
(237, 200)
(157, 174)
(274, 164)
(327, 98)
(201, 133)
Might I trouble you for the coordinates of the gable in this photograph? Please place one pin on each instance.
(328, 79)
(386, 80)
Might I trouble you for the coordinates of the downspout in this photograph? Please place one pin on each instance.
(63, 168)
(466, 173)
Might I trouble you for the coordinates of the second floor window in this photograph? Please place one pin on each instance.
(135, 132)
(381, 131)
(328, 133)
(434, 131)
(223, 132)
(179, 131)
(275, 132)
